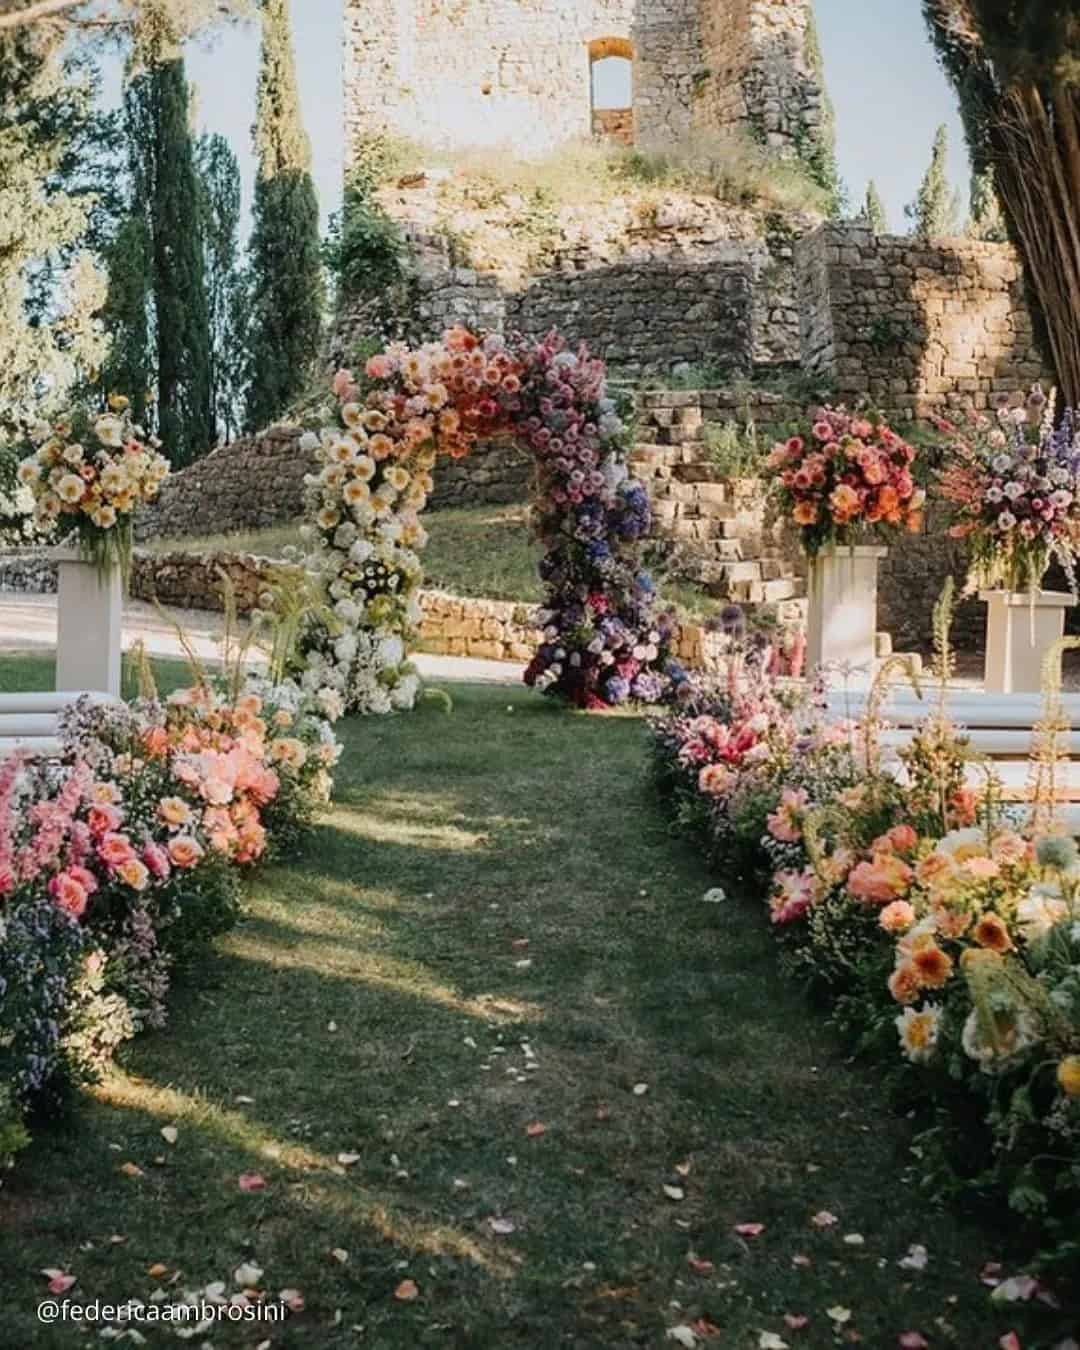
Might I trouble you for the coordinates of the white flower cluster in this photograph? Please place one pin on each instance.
(364, 540)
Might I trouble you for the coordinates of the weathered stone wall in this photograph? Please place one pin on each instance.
(678, 416)
(614, 124)
(466, 72)
(252, 483)
(916, 326)
(758, 72)
(646, 317)
(459, 73)
(494, 630)
(487, 262)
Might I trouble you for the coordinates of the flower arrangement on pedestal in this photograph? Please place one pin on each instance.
(850, 475)
(91, 472)
(1013, 483)
(410, 406)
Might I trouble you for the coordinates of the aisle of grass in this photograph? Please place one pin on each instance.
(495, 933)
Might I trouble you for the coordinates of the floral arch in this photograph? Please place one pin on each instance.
(602, 642)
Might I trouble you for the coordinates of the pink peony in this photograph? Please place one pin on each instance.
(157, 860)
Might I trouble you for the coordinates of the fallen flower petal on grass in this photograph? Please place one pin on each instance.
(823, 1219)
(674, 1192)
(251, 1181)
(1010, 1341)
(247, 1274)
(170, 1134)
(535, 1129)
(407, 1291)
(916, 1259)
(502, 1226)
(838, 1314)
(682, 1336)
(59, 1280)
(699, 1266)
(749, 1229)
(912, 1340)
(131, 1169)
(796, 1321)
(769, 1340)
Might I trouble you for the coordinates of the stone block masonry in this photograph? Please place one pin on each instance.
(248, 485)
(459, 73)
(451, 625)
(915, 326)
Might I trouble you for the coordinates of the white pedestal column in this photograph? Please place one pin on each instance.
(1020, 630)
(90, 609)
(842, 621)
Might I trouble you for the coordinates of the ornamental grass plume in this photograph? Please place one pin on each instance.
(1047, 751)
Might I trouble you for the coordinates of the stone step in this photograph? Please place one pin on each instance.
(766, 592)
(791, 613)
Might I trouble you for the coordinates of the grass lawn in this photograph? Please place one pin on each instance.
(492, 979)
(27, 672)
(481, 551)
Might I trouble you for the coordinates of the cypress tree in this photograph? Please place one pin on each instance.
(126, 316)
(873, 211)
(987, 221)
(934, 210)
(219, 203)
(49, 288)
(165, 188)
(285, 260)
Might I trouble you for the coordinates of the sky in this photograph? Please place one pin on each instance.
(885, 84)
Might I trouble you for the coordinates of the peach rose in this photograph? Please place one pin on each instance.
(69, 895)
(897, 917)
(184, 851)
(115, 849)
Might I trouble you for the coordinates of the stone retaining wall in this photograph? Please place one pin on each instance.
(248, 485)
(452, 625)
(915, 325)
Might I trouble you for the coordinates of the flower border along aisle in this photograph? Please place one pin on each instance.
(602, 644)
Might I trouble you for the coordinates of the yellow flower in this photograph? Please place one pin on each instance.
(364, 468)
(28, 472)
(355, 491)
(1068, 1075)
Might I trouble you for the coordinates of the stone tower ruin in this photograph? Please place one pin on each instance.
(462, 73)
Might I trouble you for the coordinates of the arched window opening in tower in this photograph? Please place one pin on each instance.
(611, 80)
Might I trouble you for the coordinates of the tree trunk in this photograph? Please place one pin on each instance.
(1038, 174)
